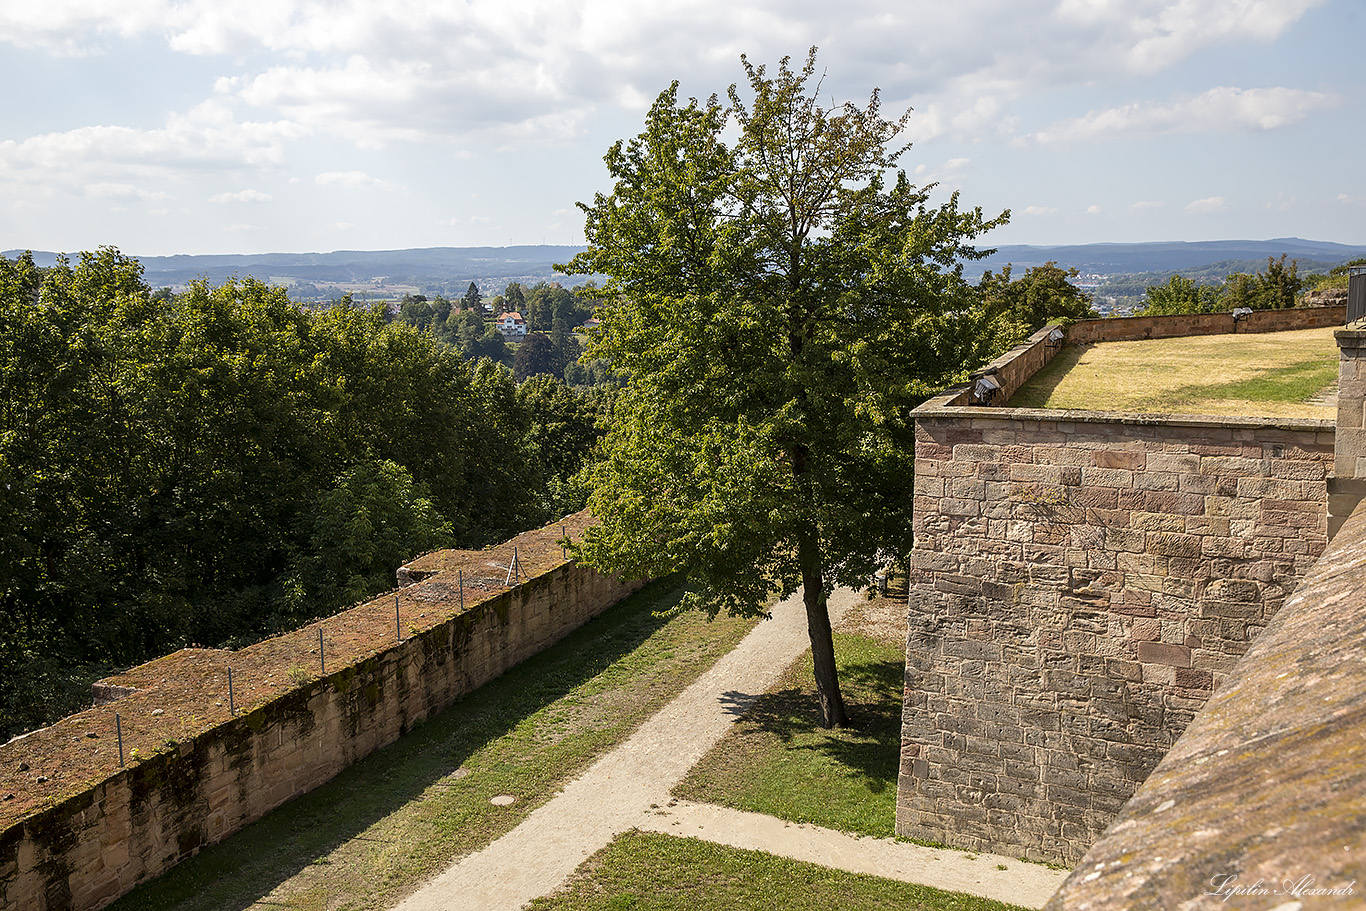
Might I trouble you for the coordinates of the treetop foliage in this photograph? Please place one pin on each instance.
(1045, 294)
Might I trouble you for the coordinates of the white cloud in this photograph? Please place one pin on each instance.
(379, 71)
(1039, 210)
(1207, 205)
(206, 138)
(352, 180)
(78, 27)
(1219, 109)
(241, 196)
(1154, 34)
(1094, 210)
(122, 192)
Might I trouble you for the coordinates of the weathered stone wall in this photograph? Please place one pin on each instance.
(1262, 802)
(1081, 582)
(1132, 328)
(196, 773)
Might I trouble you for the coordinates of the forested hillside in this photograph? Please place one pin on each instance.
(210, 467)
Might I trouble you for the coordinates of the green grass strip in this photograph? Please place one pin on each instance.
(1290, 383)
(391, 821)
(642, 871)
(779, 761)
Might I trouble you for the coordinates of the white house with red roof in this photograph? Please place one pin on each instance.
(512, 325)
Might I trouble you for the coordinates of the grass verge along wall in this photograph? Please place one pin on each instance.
(79, 830)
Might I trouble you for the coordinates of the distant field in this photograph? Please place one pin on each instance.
(1276, 374)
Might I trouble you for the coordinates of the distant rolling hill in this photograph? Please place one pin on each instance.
(431, 269)
(1173, 256)
(448, 270)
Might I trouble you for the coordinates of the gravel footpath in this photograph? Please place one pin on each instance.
(629, 788)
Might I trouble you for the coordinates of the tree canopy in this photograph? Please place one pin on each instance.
(1045, 294)
(1180, 295)
(210, 467)
(778, 303)
(1273, 288)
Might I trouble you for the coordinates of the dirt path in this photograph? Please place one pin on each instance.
(629, 788)
(1002, 878)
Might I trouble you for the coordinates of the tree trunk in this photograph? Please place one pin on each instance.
(818, 628)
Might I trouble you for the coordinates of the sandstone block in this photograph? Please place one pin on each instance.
(1156, 480)
(928, 486)
(976, 452)
(956, 507)
(1270, 488)
(1299, 471)
(1174, 462)
(1130, 460)
(1174, 502)
(1171, 544)
(1234, 466)
(1062, 455)
(1164, 653)
(1107, 477)
(1157, 521)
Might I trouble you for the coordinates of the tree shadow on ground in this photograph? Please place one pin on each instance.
(869, 746)
(239, 872)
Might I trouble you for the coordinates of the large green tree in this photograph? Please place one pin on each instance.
(1274, 288)
(779, 302)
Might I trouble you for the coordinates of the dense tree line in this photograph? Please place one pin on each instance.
(1272, 288)
(210, 467)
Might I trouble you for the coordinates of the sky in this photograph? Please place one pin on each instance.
(248, 126)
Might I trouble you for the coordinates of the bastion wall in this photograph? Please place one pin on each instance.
(1081, 582)
(200, 762)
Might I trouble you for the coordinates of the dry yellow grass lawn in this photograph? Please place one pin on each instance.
(1276, 374)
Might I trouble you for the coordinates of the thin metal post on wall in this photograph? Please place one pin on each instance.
(398, 624)
(564, 543)
(322, 660)
(232, 702)
(118, 732)
(462, 590)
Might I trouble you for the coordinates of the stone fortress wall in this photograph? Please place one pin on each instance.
(1263, 800)
(1268, 784)
(1081, 583)
(79, 829)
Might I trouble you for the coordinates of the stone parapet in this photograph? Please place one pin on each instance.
(1134, 328)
